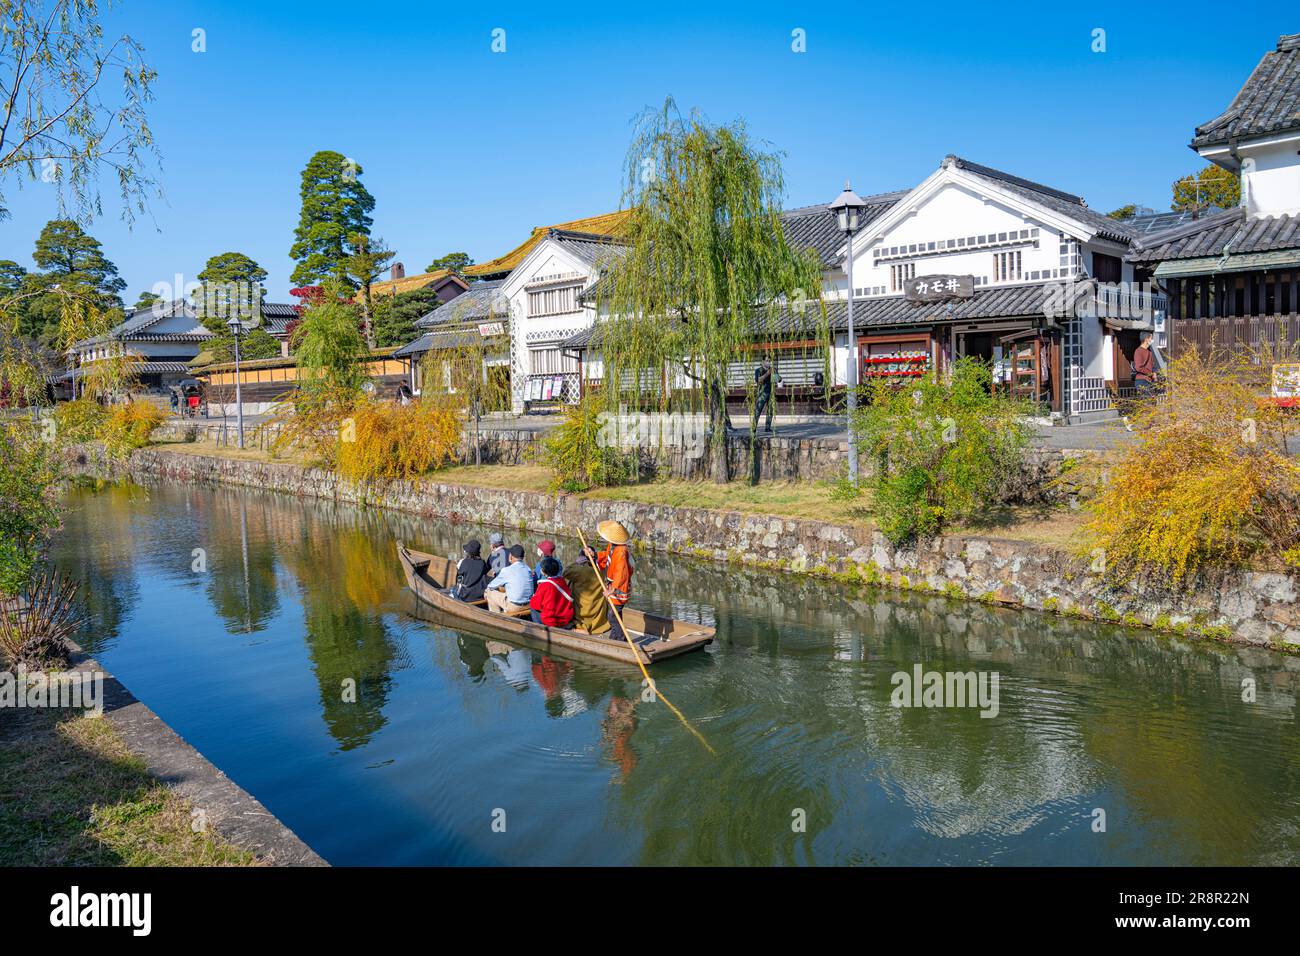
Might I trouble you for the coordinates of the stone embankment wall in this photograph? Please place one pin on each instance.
(777, 459)
(1250, 606)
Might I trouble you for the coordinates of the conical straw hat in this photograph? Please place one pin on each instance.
(613, 532)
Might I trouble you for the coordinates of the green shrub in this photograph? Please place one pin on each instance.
(580, 454)
(129, 427)
(37, 634)
(29, 514)
(80, 421)
(945, 449)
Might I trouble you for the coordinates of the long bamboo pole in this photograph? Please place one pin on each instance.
(637, 653)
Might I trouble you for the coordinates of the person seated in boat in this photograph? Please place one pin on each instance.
(471, 573)
(545, 549)
(512, 588)
(588, 592)
(616, 563)
(552, 603)
(498, 556)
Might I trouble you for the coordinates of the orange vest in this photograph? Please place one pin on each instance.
(616, 564)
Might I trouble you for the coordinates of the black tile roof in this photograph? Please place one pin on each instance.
(1229, 231)
(592, 248)
(1268, 102)
(999, 302)
(472, 306)
(1067, 204)
(439, 339)
(276, 316)
(814, 227)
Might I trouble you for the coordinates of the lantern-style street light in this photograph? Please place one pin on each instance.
(236, 330)
(848, 208)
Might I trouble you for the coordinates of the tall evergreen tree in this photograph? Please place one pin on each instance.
(335, 207)
(361, 268)
(74, 261)
(232, 286)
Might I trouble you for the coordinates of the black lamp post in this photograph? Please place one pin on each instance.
(236, 330)
(848, 208)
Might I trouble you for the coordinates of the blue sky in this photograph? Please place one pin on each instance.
(466, 149)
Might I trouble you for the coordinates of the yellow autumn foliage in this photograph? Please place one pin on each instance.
(1208, 480)
(130, 426)
(384, 440)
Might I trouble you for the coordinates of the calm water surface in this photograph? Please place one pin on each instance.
(247, 660)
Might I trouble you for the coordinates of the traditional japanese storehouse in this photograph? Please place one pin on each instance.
(971, 262)
(471, 320)
(164, 338)
(1233, 277)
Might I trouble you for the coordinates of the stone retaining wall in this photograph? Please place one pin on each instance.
(778, 459)
(1251, 607)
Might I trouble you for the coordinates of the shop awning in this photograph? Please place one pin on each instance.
(1244, 262)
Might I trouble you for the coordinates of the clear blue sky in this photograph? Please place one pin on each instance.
(465, 149)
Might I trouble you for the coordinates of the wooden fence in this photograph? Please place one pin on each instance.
(1235, 333)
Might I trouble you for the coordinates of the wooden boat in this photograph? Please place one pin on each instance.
(656, 638)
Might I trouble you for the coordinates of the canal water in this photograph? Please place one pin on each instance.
(240, 617)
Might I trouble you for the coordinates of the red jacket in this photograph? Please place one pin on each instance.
(1144, 364)
(553, 600)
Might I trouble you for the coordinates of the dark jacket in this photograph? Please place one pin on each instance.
(471, 578)
(497, 560)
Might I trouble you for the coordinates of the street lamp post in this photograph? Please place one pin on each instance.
(848, 208)
(236, 330)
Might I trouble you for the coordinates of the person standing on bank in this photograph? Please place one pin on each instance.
(616, 563)
(1144, 367)
(765, 377)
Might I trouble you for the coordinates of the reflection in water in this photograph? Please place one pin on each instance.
(242, 584)
(302, 600)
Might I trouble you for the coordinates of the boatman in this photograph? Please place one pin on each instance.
(616, 563)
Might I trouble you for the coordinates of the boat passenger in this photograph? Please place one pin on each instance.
(616, 563)
(512, 588)
(471, 573)
(552, 603)
(498, 556)
(545, 549)
(588, 596)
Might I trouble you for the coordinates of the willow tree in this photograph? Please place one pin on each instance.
(457, 369)
(705, 274)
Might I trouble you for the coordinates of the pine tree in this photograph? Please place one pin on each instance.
(232, 286)
(73, 261)
(335, 206)
(395, 316)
